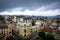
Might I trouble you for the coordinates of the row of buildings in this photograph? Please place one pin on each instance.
(27, 27)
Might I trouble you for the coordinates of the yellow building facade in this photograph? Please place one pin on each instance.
(25, 28)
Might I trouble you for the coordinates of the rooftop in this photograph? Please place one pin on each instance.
(23, 23)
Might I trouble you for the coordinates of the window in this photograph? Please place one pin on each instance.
(25, 30)
(25, 35)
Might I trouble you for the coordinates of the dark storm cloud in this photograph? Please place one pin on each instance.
(28, 4)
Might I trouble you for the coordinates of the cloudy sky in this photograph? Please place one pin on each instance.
(30, 7)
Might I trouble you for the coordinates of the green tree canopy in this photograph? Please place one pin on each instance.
(42, 34)
(49, 36)
(39, 38)
(45, 36)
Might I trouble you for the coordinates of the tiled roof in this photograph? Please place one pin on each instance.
(35, 26)
(48, 29)
(24, 23)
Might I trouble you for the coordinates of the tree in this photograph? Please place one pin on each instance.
(39, 38)
(42, 34)
(41, 18)
(10, 38)
(49, 36)
(45, 36)
(33, 21)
